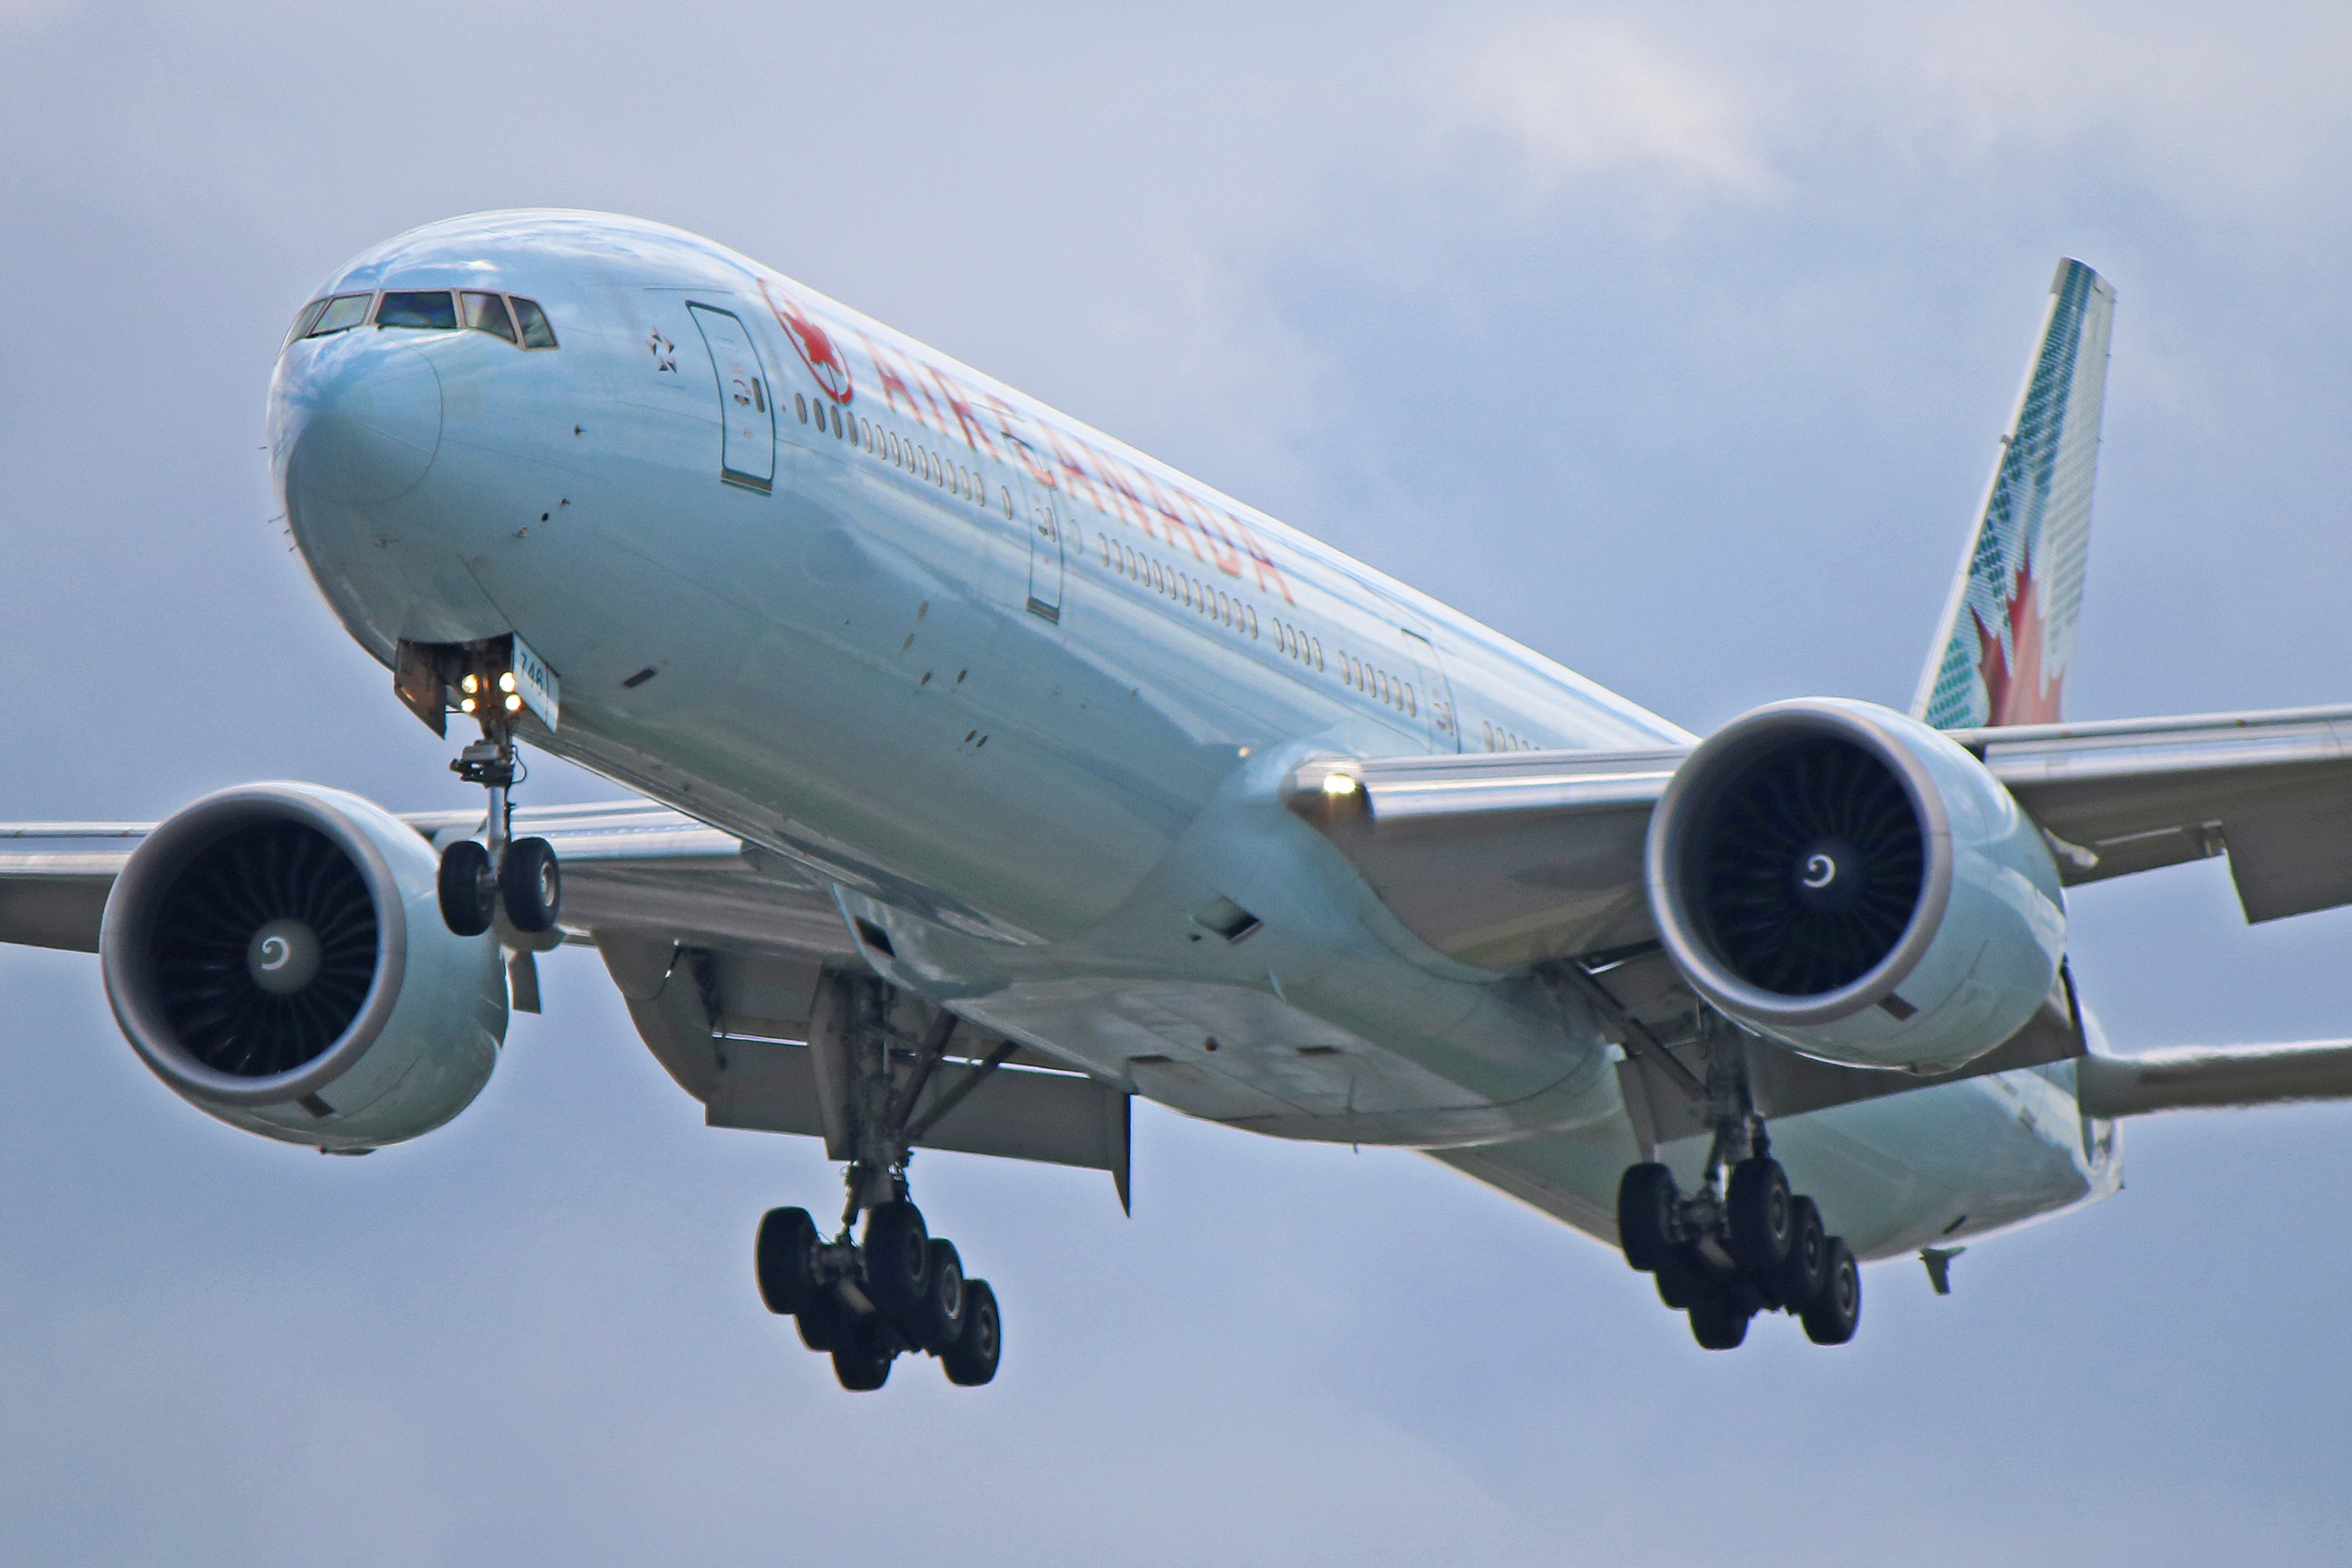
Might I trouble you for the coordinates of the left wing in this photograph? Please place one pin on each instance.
(1509, 860)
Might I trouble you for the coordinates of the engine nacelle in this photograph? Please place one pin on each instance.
(1851, 883)
(276, 953)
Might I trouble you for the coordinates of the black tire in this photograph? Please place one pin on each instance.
(1718, 1322)
(943, 1300)
(1757, 1211)
(785, 1259)
(897, 1259)
(1646, 1202)
(825, 1323)
(530, 885)
(862, 1366)
(1682, 1278)
(468, 892)
(1799, 1278)
(1835, 1310)
(971, 1360)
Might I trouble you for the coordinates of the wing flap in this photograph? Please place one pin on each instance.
(2272, 790)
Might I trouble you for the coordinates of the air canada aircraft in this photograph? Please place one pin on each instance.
(985, 774)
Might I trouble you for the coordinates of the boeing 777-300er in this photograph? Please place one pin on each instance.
(988, 774)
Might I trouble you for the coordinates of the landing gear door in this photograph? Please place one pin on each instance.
(1444, 729)
(1045, 528)
(747, 415)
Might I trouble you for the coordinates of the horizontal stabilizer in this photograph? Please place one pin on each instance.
(2214, 1076)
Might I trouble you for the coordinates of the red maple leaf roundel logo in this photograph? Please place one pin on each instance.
(817, 350)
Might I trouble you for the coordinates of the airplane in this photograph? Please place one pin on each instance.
(985, 773)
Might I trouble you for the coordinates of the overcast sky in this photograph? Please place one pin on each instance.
(1674, 339)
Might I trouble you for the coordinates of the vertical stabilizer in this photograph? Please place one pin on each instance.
(2002, 654)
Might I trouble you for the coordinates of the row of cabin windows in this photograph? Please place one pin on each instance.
(518, 320)
(1398, 694)
(915, 460)
(1304, 647)
(1194, 595)
(1501, 739)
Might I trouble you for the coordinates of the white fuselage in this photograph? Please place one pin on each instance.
(1022, 695)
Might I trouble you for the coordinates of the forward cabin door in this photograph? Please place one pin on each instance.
(1444, 729)
(746, 417)
(1046, 528)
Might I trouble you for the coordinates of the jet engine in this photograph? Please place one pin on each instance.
(276, 953)
(1855, 885)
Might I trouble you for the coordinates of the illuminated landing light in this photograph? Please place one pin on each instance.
(470, 685)
(466, 705)
(514, 704)
(1338, 783)
(507, 681)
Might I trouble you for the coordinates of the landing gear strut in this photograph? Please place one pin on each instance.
(518, 876)
(1737, 1247)
(898, 1290)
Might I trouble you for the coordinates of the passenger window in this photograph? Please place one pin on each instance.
(343, 312)
(1318, 652)
(1411, 703)
(1006, 496)
(306, 321)
(487, 313)
(535, 332)
(800, 406)
(1253, 614)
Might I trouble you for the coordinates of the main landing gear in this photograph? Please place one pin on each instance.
(902, 1291)
(516, 876)
(899, 1289)
(1733, 1250)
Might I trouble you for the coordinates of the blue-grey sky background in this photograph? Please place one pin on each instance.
(1672, 339)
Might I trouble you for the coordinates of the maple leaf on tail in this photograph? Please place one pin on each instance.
(2018, 688)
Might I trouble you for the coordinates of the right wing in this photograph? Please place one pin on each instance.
(723, 953)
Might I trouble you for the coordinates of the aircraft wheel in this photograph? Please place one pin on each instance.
(971, 1360)
(1717, 1321)
(825, 1323)
(1682, 1279)
(783, 1256)
(1646, 1201)
(1800, 1277)
(468, 892)
(897, 1259)
(530, 885)
(944, 1301)
(1757, 1207)
(1830, 1318)
(862, 1366)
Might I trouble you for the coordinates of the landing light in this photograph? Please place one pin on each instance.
(514, 704)
(466, 704)
(470, 685)
(507, 681)
(1338, 783)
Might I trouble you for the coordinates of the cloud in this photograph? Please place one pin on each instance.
(1580, 100)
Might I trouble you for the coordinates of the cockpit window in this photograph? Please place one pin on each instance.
(340, 314)
(487, 313)
(434, 311)
(306, 319)
(536, 332)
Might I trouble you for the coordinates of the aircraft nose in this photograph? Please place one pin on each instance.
(360, 421)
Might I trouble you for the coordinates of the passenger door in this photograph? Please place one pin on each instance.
(1444, 729)
(1045, 555)
(747, 446)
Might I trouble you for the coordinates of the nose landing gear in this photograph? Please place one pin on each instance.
(519, 876)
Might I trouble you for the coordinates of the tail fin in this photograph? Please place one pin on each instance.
(2007, 634)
